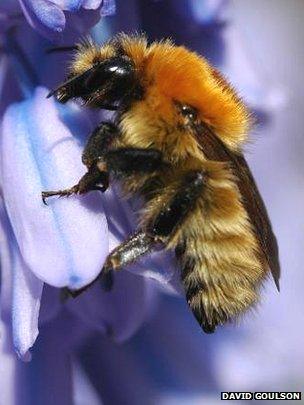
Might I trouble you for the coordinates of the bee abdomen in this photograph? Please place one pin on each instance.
(194, 293)
(193, 289)
(215, 296)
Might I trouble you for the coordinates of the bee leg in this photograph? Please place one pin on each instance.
(98, 143)
(172, 215)
(94, 179)
(128, 252)
(126, 161)
(166, 221)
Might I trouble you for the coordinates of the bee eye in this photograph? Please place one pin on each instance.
(117, 68)
(189, 112)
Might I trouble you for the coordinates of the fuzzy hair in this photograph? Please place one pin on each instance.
(218, 236)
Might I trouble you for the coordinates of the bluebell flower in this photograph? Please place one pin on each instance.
(53, 19)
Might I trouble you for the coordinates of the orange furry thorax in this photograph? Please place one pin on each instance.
(172, 73)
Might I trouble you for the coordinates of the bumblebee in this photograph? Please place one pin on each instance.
(176, 141)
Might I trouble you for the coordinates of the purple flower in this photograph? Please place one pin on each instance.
(54, 18)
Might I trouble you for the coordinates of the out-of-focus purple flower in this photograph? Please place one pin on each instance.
(7, 20)
(200, 25)
(53, 18)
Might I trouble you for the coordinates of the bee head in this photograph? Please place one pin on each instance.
(101, 76)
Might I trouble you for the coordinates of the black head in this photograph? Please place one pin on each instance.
(106, 84)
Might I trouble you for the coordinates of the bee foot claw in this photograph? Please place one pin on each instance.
(60, 193)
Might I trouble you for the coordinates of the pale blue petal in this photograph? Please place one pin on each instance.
(27, 290)
(7, 367)
(6, 265)
(47, 379)
(91, 4)
(70, 5)
(43, 15)
(66, 242)
(75, 5)
(108, 8)
(20, 291)
(51, 18)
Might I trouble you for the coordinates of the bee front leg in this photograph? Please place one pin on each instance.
(99, 142)
(94, 179)
(97, 177)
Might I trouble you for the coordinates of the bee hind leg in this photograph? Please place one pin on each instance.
(127, 253)
(181, 204)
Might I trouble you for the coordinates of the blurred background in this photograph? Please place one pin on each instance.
(259, 46)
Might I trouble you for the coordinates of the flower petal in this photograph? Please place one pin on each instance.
(44, 16)
(51, 304)
(74, 5)
(120, 312)
(20, 291)
(6, 265)
(47, 379)
(108, 8)
(27, 292)
(66, 242)
(92, 4)
(51, 18)
(7, 367)
(70, 5)
(78, 23)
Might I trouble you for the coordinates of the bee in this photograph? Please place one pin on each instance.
(176, 141)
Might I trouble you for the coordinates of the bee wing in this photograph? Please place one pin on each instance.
(215, 149)
(258, 216)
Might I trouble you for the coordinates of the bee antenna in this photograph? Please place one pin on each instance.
(61, 49)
